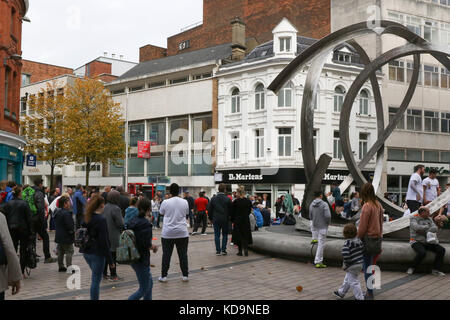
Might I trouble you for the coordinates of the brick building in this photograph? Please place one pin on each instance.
(311, 17)
(11, 17)
(33, 71)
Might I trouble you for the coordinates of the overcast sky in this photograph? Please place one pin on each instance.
(71, 33)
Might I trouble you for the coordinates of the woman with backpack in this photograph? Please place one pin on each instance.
(142, 230)
(18, 216)
(96, 251)
(370, 231)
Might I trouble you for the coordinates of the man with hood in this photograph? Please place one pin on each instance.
(320, 217)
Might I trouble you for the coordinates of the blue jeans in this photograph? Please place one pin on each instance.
(155, 215)
(2, 295)
(368, 261)
(218, 228)
(97, 264)
(145, 282)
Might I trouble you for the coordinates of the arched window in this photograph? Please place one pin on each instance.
(339, 94)
(285, 96)
(260, 103)
(235, 101)
(364, 102)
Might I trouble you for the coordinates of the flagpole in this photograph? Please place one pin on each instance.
(126, 142)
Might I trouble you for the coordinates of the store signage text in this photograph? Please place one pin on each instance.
(245, 177)
(334, 177)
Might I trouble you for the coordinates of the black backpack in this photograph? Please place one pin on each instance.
(82, 238)
(3, 259)
(289, 220)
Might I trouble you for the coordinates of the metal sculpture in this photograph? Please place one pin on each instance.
(316, 56)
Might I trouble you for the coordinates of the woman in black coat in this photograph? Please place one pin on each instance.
(242, 233)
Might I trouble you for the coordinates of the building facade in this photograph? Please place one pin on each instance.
(11, 144)
(423, 136)
(259, 139)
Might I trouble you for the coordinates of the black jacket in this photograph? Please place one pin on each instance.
(191, 202)
(220, 208)
(39, 202)
(99, 240)
(18, 216)
(124, 203)
(142, 229)
(64, 226)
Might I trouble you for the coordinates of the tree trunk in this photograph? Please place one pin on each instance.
(88, 170)
(52, 175)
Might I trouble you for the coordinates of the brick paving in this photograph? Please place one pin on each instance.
(256, 277)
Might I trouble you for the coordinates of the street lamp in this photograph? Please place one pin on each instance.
(15, 57)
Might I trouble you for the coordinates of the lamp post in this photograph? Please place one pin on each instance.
(127, 142)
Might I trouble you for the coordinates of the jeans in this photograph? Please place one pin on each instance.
(2, 296)
(67, 250)
(182, 248)
(421, 251)
(96, 263)
(321, 236)
(145, 282)
(369, 260)
(351, 281)
(202, 219)
(40, 227)
(218, 228)
(20, 239)
(155, 215)
(191, 218)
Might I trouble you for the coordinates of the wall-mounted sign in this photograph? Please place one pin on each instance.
(31, 160)
(144, 149)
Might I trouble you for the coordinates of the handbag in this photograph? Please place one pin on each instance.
(432, 238)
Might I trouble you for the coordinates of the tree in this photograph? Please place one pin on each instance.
(44, 127)
(93, 123)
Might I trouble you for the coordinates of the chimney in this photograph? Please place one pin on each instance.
(113, 55)
(238, 46)
(121, 57)
(105, 54)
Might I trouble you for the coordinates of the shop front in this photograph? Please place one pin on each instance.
(11, 163)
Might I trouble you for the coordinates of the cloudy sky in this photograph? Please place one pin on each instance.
(72, 32)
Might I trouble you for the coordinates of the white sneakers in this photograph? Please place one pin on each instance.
(163, 280)
(185, 279)
(410, 271)
(437, 273)
(193, 233)
(204, 234)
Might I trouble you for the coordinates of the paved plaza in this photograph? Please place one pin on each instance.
(256, 277)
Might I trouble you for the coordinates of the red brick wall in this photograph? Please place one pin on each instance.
(311, 17)
(106, 77)
(42, 71)
(150, 52)
(97, 68)
(10, 43)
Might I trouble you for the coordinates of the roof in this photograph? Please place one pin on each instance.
(222, 51)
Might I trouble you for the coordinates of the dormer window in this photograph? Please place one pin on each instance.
(285, 44)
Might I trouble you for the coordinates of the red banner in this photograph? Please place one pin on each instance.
(144, 149)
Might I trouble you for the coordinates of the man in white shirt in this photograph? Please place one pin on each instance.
(174, 232)
(431, 189)
(414, 196)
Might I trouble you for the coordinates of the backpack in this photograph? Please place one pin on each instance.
(28, 197)
(127, 253)
(289, 220)
(82, 238)
(3, 259)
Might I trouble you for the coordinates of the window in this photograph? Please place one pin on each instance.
(94, 168)
(259, 143)
(285, 44)
(445, 78)
(337, 151)
(32, 104)
(235, 146)
(285, 142)
(285, 96)
(6, 92)
(396, 154)
(339, 94)
(157, 164)
(392, 113)
(201, 163)
(445, 34)
(431, 76)
(431, 156)
(157, 133)
(179, 80)
(445, 156)
(431, 121)
(179, 131)
(178, 163)
(413, 155)
(202, 129)
(364, 102)
(235, 101)
(259, 97)
(414, 24)
(363, 142)
(120, 91)
(414, 120)
(137, 88)
(397, 71)
(315, 142)
(26, 79)
(202, 76)
(157, 84)
(445, 122)
(430, 31)
(410, 70)
(23, 106)
(316, 100)
(136, 132)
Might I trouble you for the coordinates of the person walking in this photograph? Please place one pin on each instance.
(142, 230)
(242, 233)
(420, 227)
(97, 251)
(219, 211)
(18, 216)
(54, 194)
(353, 256)
(65, 235)
(38, 218)
(191, 203)
(10, 271)
(431, 188)
(114, 220)
(174, 233)
(370, 231)
(320, 216)
(131, 211)
(79, 203)
(156, 204)
(200, 217)
(414, 196)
